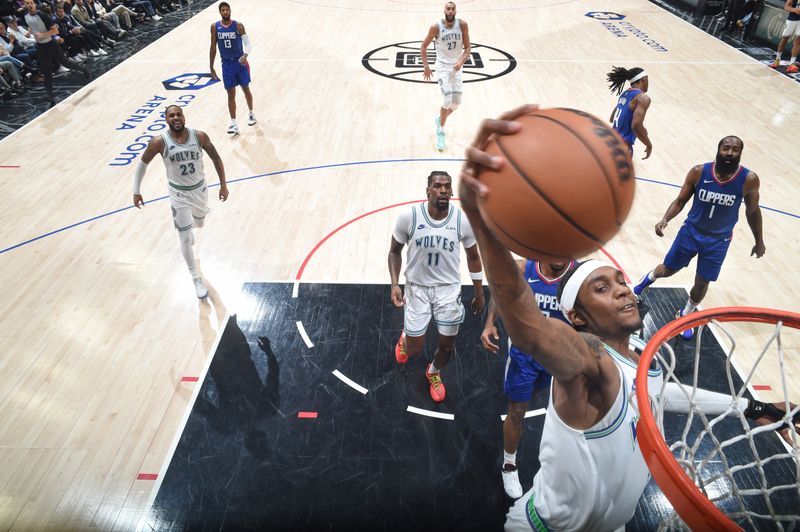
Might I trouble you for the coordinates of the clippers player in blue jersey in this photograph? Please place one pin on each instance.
(628, 115)
(234, 49)
(524, 375)
(718, 189)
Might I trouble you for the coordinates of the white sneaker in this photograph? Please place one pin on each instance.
(202, 293)
(62, 69)
(511, 483)
(252, 120)
(100, 51)
(92, 53)
(233, 129)
(80, 58)
(156, 17)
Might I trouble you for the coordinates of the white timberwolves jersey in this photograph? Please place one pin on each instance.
(434, 256)
(184, 162)
(449, 44)
(592, 479)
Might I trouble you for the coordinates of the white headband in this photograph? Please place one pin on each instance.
(638, 76)
(570, 293)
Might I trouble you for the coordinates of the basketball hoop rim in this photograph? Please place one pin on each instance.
(694, 508)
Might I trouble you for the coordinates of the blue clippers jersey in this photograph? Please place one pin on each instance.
(623, 116)
(546, 291)
(715, 207)
(229, 41)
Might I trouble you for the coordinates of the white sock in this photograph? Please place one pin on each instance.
(691, 306)
(252, 114)
(792, 60)
(509, 458)
(651, 276)
(778, 56)
(233, 121)
(188, 252)
(433, 369)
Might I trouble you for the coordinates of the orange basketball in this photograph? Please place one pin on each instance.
(565, 189)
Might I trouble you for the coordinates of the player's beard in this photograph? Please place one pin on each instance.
(449, 18)
(176, 129)
(727, 165)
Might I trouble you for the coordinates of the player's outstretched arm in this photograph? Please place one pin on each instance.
(489, 336)
(564, 353)
(686, 192)
(753, 213)
(395, 264)
(206, 144)
(432, 33)
(154, 147)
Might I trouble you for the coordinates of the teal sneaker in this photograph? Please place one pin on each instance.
(440, 140)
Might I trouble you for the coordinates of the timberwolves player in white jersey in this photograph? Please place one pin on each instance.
(592, 470)
(234, 49)
(433, 231)
(182, 151)
(452, 51)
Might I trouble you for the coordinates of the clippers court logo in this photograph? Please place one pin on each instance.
(604, 15)
(191, 81)
(403, 62)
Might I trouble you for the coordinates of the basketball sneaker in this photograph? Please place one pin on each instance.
(400, 350)
(644, 282)
(251, 120)
(775, 64)
(511, 483)
(200, 288)
(688, 334)
(233, 129)
(792, 69)
(440, 145)
(437, 390)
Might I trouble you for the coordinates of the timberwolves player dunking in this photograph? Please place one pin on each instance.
(433, 231)
(717, 189)
(524, 375)
(181, 148)
(628, 115)
(234, 48)
(452, 51)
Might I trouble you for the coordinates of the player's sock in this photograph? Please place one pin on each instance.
(509, 458)
(432, 368)
(690, 307)
(793, 60)
(187, 251)
(646, 281)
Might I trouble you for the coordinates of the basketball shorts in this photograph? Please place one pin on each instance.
(234, 74)
(710, 250)
(442, 302)
(523, 376)
(450, 81)
(792, 27)
(189, 207)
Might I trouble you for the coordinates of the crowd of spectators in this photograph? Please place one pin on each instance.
(43, 38)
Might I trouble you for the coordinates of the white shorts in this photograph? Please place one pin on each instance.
(189, 207)
(443, 302)
(450, 81)
(792, 27)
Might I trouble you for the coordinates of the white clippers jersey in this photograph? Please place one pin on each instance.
(592, 479)
(184, 162)
(449, 44)
(433, 257)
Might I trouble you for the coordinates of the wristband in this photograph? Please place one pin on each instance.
(476, 276)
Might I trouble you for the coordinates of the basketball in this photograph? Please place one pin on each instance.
(566, 188)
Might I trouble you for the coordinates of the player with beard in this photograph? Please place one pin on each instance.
(452, 51)
(718, 189)
(433, 229)
(181, 148)
(234, 49)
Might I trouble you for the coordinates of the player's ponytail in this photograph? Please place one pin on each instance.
(619, 75)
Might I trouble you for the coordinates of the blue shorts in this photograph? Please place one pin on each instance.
(523, 376)
(234, 74)
(710, 251)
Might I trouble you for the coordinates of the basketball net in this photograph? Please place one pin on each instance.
(714, 469)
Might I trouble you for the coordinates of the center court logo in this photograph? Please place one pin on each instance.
(403, 62)
(190, 81)
(604, 15)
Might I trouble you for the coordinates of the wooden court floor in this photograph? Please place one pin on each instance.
(100, 330)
